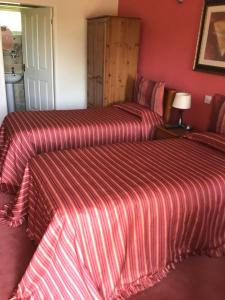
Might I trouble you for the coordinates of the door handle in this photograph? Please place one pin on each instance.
(24, 67)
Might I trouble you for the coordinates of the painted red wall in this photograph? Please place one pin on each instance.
(168, 43)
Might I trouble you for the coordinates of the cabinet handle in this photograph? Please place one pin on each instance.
(95, 77)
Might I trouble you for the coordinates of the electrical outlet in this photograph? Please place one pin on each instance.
(208, 99)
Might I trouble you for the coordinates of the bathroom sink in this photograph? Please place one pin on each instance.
(12, 78)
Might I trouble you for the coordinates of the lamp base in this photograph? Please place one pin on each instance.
(180, 123)
(184, 126)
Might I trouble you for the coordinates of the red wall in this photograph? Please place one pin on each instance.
(168, 42)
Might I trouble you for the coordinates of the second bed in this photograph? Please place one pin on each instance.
(112, 220)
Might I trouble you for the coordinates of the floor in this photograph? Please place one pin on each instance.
(196, 278)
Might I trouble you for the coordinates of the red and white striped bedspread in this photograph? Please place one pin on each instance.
(112, 220)
(26, 134)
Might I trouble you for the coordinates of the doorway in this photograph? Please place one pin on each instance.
(28, 57)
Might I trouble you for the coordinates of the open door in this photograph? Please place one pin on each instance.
(38, 58)
(3, 101)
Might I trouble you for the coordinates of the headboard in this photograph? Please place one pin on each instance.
(169, 95)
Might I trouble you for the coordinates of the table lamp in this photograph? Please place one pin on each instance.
(182, 101)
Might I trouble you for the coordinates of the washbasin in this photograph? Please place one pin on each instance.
(12, 78)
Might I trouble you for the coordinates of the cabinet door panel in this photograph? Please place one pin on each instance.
(122, 48)
(96, 38)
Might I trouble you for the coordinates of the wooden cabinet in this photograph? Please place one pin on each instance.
(112, 52)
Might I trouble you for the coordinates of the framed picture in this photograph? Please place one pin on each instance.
(210, 52)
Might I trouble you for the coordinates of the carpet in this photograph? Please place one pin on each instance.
(195, 278)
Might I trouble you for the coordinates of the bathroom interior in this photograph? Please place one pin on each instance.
(11, 30)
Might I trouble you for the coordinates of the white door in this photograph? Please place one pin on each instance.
(3, 101)
(38, 58)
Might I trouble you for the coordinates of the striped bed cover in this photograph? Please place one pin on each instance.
(26, 134)
(111, 221)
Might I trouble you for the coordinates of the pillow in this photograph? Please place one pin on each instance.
(214, 140)
(149, 93)
(217, 120)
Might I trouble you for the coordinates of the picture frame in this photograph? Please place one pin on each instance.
(210, 51)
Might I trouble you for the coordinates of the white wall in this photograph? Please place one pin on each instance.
(70, 45)
(3, 105)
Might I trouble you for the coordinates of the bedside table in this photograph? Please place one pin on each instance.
(169, 133)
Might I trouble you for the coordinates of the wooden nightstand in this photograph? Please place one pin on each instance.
(168, 133)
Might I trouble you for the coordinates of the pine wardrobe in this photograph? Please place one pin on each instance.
(112, 57)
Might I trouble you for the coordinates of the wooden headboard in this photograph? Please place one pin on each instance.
(169, 95)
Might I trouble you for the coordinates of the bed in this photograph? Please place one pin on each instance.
(112, 220)
(26, 134)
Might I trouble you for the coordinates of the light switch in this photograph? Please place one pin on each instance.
(208, 99)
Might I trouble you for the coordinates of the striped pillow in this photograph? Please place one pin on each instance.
(217, 121)
(214, 140)
(149, 93)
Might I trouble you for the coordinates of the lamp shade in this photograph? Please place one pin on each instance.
(182, 101)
